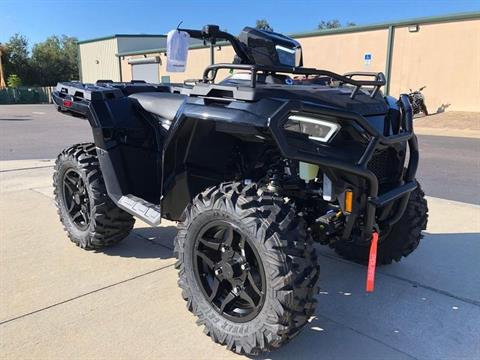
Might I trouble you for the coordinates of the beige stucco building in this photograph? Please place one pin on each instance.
(99, 60)
(442, 53)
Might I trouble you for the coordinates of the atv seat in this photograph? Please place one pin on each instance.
(162, 104)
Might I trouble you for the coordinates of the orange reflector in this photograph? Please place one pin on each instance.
(348, 201)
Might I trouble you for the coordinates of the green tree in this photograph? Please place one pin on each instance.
(263, 24)
(54, 60)
(329, 24)
(333, 24)
(14, 81)
(16, 57)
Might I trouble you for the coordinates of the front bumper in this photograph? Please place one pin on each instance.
(376, 140)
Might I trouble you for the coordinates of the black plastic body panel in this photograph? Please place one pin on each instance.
(197, 152)
(262, 46)
(131, 142)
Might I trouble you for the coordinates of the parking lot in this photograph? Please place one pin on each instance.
(58, 301)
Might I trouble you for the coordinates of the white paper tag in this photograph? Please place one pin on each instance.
(177, 50)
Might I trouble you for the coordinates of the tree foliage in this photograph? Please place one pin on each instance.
(55, 60)
(15, 57)
(263, 24)
(51, 61)
(14, 81)
(333, 24)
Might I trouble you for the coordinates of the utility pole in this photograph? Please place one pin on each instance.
(2, 79)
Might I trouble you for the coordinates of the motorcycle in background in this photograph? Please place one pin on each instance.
(417, 99)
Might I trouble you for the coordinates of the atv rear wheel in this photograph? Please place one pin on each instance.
(247, 267)
(89, 216)
(400, 241)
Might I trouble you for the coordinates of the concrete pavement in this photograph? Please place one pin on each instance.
(58, 301)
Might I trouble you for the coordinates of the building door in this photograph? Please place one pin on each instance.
(146, 69)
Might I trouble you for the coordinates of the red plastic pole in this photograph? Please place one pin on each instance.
(372, 263)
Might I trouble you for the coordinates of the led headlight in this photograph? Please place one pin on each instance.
(316, 129)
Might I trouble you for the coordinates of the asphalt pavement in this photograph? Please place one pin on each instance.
(38, 132)
(450, 167)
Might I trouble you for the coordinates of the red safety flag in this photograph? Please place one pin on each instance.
(372, 263)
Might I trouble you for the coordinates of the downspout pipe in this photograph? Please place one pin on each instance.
(79, 63)
(212, 52)
(388, 65)
(120, 68)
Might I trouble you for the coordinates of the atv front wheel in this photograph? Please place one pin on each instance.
(247, 267)
(89, 216)
(400, 241)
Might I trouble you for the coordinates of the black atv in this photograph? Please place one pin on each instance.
(255, 169)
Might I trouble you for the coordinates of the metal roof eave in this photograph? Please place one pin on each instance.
(120, 36)
(385, 25)
(164, 50)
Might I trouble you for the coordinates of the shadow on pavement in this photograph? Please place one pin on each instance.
(432, 291)
(146, 243)
(444, 261)
(423, 294)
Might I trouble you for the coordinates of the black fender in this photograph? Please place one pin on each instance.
(201, 149)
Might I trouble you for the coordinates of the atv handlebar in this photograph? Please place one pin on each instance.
(212, 33)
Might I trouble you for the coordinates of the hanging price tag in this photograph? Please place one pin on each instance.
(177, 50)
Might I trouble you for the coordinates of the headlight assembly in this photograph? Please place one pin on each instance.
(316, 129)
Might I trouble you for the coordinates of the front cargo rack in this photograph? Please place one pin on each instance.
(378, 81)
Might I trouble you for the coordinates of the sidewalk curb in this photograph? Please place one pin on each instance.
(473, 134)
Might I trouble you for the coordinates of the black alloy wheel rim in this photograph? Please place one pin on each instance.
(76, 200)
(229, 271)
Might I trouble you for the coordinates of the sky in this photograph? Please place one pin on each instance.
(86, 19)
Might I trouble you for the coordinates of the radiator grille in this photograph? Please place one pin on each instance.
(386, 166)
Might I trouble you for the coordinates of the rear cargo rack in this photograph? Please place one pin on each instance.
(210, 74)
(74, 97)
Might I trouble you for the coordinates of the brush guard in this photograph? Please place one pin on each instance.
(405, 134)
